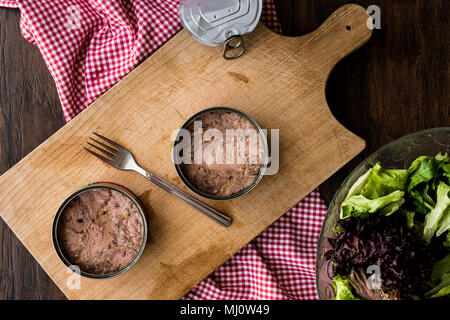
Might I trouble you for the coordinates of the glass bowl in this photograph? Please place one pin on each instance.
(397, 154)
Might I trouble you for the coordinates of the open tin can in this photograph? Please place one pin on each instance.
(263, 163)
(100, 185)
(216, 22)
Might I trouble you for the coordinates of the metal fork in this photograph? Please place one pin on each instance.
(120, 158)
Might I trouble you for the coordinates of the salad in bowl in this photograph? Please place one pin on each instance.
(389, 238)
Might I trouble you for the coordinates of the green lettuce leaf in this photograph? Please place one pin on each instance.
(426, 196)
(442, 157)
(416, 163)
(409, 215)
(442, 289)
(343, 289)
(427, 169)
(446, 170)
(447, 241)
(441, 277)
(419, 201)
(446, 167)
(440, 268)
(444, 224)
(357, 187)
(433, 218)
(336, 229)
(382, 182)
(419, 207)
(391, 207)
(359, 205)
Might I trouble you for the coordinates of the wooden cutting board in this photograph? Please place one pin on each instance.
(280, 82)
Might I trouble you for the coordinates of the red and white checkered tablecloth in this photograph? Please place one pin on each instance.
(89, 45)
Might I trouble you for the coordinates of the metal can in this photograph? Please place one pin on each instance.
(264, 160)
(100, 185)
(213, 22)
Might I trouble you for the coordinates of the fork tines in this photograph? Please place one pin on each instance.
(106, 155)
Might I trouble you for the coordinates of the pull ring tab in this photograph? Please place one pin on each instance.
(234, 48)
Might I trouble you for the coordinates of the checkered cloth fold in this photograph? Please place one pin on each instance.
(89, 45)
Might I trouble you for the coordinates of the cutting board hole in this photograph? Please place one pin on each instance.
(348, 28)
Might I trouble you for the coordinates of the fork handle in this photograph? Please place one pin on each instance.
(209, 211)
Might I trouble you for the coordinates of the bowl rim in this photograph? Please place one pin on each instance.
(99, 185)
(264, 162)
(361, 164)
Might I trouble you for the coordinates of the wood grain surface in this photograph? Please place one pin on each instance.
(281, 84)
(30, 113)
(396, 84)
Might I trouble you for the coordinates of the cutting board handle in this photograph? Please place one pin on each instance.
(342, 33)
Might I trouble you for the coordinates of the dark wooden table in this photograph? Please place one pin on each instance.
(396, 84)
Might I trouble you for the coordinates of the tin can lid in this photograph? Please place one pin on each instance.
(212, 22)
